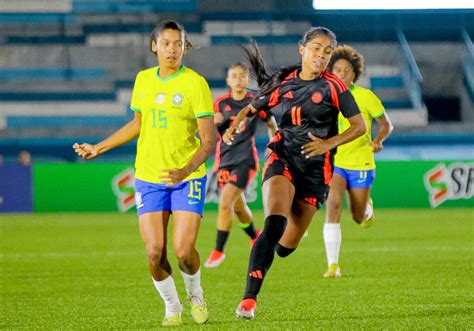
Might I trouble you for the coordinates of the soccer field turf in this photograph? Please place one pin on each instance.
(412, 270)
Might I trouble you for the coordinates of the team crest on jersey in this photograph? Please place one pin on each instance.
(317, 97)
(177, 99)
(160, 98)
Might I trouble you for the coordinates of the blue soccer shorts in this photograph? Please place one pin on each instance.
(185, 196)
(356, 178)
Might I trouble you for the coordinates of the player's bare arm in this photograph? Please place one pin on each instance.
(229, 134)
(207, 132)
(319, 146)
(386, 128)
(128, 132)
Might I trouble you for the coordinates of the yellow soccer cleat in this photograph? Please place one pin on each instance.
(173, 315)
(174, 320)
(334, 271)
(369, 222)
(199, 310)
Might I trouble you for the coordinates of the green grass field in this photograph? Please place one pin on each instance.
(412, 270)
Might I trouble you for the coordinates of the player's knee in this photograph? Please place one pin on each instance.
(225, 207)
(274, 227)
(242, 212)
(334, 204)
(155, 253)
(283, 251)
(183, 251)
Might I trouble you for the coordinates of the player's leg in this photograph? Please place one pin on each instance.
(153, 209)
(244, 177)
(153, 231)
(300, 218)
(278, 192)
(244, 214)
(361, 204)
(229, 195)
(332, 229)
(185, 231)
(187, 204)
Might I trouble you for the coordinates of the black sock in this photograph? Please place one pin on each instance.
(283, 251)
(249, 229)
(262, 254)
(221, 240)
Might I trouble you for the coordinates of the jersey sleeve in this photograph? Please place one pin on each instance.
(217, 104)
(202, 99)
(137, 95)
(375, 107)
(347, 104)
(267, 101)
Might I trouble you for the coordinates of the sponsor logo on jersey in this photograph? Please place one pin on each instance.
(227, 108)
(288, 95)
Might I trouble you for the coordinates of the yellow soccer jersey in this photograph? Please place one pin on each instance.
(357, 154)
(169, 108)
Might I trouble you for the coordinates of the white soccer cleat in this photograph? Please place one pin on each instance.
(370, 216)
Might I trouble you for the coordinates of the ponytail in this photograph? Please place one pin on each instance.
(266, 80)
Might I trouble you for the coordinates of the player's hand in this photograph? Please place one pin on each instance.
(229, 135)
(316, 147)
(86, 151)
(218, 118)
(376, 146)
(172, 177)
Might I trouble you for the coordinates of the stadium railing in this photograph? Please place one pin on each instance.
(468, 65)
(412, 78)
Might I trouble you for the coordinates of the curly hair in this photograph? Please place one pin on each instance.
(349, 54)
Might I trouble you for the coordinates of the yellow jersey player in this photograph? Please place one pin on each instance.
(171, 104)
(354, 165)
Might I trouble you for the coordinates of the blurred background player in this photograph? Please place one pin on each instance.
(24, 158)
(297, 173)
(236, 164)
(171, 104)
(354, 165)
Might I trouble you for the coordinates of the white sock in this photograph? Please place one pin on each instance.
(167, 290)
(193, 284)
(369, 212)
(332, 240)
